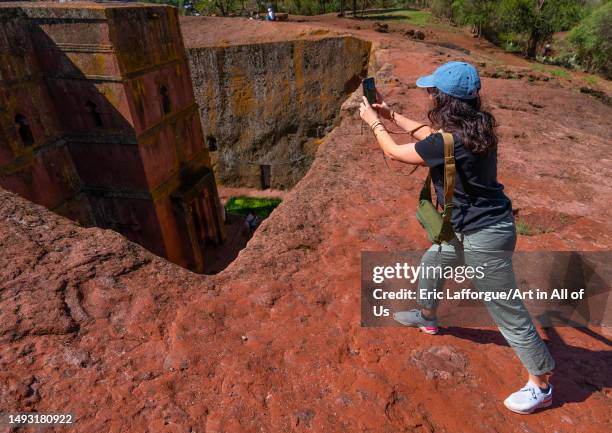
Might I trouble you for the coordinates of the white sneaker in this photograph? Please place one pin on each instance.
(529, 399)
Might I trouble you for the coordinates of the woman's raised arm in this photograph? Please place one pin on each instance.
(403, 153)
(418, 130)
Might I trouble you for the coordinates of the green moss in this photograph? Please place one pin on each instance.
(261, 207)
(592, 80)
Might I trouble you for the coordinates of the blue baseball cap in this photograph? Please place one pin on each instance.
(458, 79)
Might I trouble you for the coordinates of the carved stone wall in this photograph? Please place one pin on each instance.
(99, 122)
(265, 106)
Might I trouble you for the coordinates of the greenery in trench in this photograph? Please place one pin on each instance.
(262, 207)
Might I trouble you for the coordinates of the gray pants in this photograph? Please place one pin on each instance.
(492, 245)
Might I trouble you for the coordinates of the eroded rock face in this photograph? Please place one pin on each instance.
(443, 362)
(264, 106)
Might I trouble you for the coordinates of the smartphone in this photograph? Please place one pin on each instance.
(369, 89)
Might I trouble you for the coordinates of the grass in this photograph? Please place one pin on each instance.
(411, 16)
(511, 47)
(261, 207)
(559, 73)
(524, 229)
(592, 80)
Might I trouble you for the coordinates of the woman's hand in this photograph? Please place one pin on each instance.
(381, 107)
(367, 113)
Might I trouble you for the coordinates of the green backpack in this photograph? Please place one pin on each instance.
(438, 225)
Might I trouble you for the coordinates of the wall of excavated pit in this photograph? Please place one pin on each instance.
(268, 104)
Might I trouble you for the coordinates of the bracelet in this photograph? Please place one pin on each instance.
(392, 116)
(382, 128)
(375, 124)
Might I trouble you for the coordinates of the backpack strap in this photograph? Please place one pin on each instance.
(426, 190)
(449, 175)
(449, 178)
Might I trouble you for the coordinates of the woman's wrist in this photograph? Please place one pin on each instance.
(377, 127)
(374, 124)
(379, 130)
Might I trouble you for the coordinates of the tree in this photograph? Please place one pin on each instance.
(592, 40)
(364, 5)
(442, 8)
(221, 7)
(538, 20)
(477, 13)
(224, 6)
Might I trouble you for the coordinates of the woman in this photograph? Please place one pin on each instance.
(481, 218)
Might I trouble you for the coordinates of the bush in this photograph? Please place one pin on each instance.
(592, 40)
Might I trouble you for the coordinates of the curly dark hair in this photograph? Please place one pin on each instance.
(464, 117)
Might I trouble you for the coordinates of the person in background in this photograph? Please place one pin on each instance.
(270, 16)
(251, 222)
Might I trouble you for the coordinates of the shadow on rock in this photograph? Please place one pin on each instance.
(579, 372)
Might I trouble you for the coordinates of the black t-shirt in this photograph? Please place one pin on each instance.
(479, 199)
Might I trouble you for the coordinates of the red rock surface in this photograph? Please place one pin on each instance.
(94, 325)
